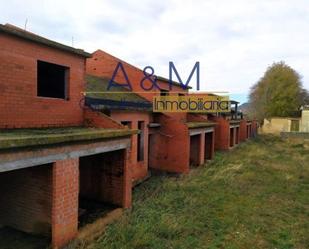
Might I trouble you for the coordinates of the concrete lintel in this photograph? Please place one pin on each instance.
(201, 131)
(38, 159)
(234, 126)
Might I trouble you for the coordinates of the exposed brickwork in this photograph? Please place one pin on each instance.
(102, 177)
(170, 147)
(19, 104)
(65, 201)
(249, 130)
(196, 118)
(222, 133)
(127, 181)
(243, 130)
(139, 168)
(25, 199)
(99, 120)
(103, 64)
(209, 145)
(237, 135)
(44, 199)
(197, 149)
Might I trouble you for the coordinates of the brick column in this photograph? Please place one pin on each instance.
(243, 130)
(213, 144)
(234, 136)
(127, 180)
(202, 149)
(65, 202)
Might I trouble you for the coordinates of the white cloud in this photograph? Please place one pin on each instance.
(233, 40)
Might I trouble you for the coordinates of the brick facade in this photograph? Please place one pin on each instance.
(97, 119)
(243, 130)
(222, 131)
(20, 107)
(170, 148)
(102, 177)
(26, 199)
(139, 168)
(44, 199)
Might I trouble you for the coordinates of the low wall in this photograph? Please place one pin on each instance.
(295, 134)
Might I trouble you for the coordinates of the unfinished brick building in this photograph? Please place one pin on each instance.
(176, 141)
(61, 150)
(53, 153)
(129, 109)
(228, 132)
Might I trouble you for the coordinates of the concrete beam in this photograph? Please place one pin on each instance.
(49, 155)
(193, 132)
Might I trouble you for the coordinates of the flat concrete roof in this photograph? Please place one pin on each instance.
(234, 121)
(14, 138)
(192, 125)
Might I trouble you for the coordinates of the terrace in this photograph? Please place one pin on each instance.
(16, 138)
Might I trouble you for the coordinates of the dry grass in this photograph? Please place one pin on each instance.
(256, 196)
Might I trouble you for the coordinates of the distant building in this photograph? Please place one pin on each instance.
(304, 121)
(276, 125)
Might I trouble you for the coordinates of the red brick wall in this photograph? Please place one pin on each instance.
(249, 130)
(127, 181)
(99, 120)
(65, 201)
(197, 143)
(25, 199)
(243, 130)
(170, 148)
(19, 104)
(139, 168)
(196, 117)
(222, 133)
(103, 64)
(209, 145)
(102, 177)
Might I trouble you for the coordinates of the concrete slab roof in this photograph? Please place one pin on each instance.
(14, 138)
(192, 125)
(26, 35)
(117, 97)
(234, 121)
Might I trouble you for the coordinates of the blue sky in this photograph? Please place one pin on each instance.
(235, 41)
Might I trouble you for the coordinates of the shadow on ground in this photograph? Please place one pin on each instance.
(13, 239)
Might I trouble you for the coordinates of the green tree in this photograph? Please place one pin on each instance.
(278, 93)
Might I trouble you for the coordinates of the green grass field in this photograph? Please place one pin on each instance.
(256, 196)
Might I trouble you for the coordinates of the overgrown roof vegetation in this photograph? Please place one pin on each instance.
(200, 124)
(115, 97)
(255, 197)
(14, 138)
